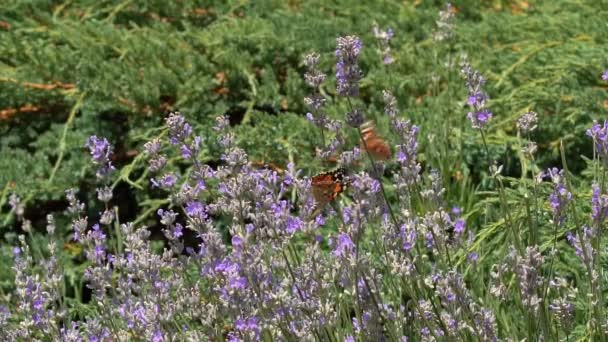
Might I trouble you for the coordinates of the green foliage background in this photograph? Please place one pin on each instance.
(69, 69)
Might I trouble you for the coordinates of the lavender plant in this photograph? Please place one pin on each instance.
(392, 259)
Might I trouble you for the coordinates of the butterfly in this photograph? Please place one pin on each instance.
(327, 186)
(73, 248)
(270, 166)
(377, 147)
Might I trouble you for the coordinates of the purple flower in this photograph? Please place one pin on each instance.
(582, 246)
(196, 209)
(237, 241)
(99, 147)
(355, 118)
(99, 252)
(459, 226)
(473, 256)
(348, 73)
(79, 226)
(310, 117)
(167, 217)
(599, 206)
(156, 164)
(293, 224)
(527, 122)
(407, 150)
(383, 38)
(605, 75)
(179, 129)
(319, 220)
(249, 326)
(158, 336)
(480, 118)
(599, 134)
(253, 323)
(167, 181)
(314, 77)
(477, 98)
(240, 324)
(97, 234)
(559, 198)
(279, 209)
(233, 338)
(238, 282)
(401, 156)
(189, 151)
(347, 214)
(100, 150)
(186, 152)
(344, 246)
(430, 241)
(177, 231)
(153, 146)
(408, 236)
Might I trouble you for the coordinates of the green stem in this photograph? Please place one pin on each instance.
(503, 199)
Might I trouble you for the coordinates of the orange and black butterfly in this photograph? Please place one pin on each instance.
(377, 147)
(327, 186)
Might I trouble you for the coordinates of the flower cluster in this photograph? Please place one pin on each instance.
(445, 24)
(527, 123)
(315, 101)
(477, 99)
(100, 151)
(599, 134)
(348, 73)
(559, 198)
(383, 37)
(261, 281)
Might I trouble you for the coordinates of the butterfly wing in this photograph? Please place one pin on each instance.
(327, 186)
(375, 145)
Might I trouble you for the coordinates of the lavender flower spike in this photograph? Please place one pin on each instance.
(599, 134)
(179, 129)
(314, 78)
(445, 24)
(348, 73)
(560, 196)
(599, 206)
(384, 37)
(477, 99)
(528, 122)
(100, 150)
